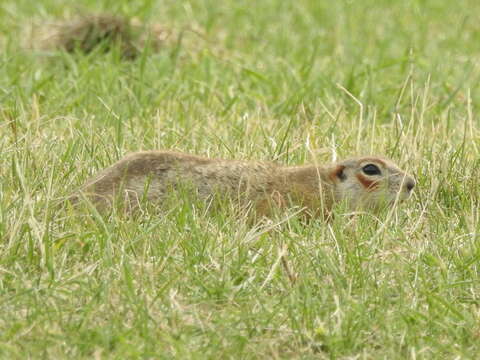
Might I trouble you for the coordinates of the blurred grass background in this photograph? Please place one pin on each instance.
(273, 80)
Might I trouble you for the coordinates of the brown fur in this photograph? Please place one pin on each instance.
(368, 184)
(266, 186)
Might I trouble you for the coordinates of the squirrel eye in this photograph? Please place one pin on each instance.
(371, 169)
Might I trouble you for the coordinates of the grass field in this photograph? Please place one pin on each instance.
(286, 81)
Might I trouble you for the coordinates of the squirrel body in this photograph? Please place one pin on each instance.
(368, 182)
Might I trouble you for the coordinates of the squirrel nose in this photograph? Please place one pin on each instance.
(410, 184)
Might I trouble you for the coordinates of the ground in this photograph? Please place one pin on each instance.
(286, 81)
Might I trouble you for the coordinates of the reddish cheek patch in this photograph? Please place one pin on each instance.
(370, 185)
(338, 173)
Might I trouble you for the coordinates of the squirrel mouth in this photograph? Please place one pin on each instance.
(400, 198)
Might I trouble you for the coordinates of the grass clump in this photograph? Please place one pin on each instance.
(104, 32)
(284, 81)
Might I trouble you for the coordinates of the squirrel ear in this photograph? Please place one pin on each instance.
(339, 173)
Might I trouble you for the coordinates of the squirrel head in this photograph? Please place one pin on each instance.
(370, 182)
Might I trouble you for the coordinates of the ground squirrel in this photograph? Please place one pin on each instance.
(365, 182)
